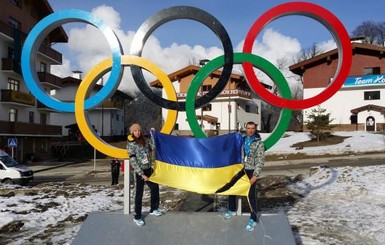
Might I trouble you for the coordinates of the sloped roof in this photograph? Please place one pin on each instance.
(208, 118)
(358, 48)
(188, 70)
(368, 107)
(74, 81)
(43, 9)
(192, 69)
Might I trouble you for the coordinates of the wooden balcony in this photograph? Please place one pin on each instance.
(8, 64)
(224, 93)
(41, 107)
(23, 128)
(50, 79)
(6, 29)
(21, 98)
(50, 52)
(111, 105)
(44, 48)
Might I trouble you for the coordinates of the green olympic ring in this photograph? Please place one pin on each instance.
(258, 62)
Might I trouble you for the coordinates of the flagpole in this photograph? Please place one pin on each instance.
(126, 191)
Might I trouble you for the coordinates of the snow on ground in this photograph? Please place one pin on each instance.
(358, 141)
(339, 206)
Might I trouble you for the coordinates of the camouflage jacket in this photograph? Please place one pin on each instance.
(255, 159)
(140, 156)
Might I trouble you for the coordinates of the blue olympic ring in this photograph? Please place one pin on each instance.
(36, 37)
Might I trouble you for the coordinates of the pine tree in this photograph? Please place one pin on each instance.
(318, 122)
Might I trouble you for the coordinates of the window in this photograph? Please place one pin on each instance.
(43, 119)
(11, 53)
(372, 95)
(12, 115)
(176, 126)
(43, 67)
(13, 84)
(206, 107)
(257, 109)
(247, 108)
(14, 23)
(353, 119)
(372, 70)
(117, 117)
(16, 3)
(206, 88)
(31, 116)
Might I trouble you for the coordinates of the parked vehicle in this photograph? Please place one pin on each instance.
(11, 172)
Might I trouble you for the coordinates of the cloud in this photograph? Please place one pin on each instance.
(280, 50)
(327, 45)
(63, 70)
(109, 15)
(85, 52)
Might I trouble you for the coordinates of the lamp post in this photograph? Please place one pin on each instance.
(229, 108)
(102, 84)
(202, 63)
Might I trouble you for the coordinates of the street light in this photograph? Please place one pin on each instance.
(202, 63)
(101, 83)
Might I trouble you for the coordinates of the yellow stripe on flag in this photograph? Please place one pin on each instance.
(201, 180)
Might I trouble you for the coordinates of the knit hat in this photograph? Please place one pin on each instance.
(134, 127)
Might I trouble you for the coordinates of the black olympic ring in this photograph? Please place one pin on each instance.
(173, 13)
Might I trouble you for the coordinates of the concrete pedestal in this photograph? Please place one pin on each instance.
(181, 228)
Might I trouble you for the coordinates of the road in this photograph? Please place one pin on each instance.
(89, 172)
(98, 172)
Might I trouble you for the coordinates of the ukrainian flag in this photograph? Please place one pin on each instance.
(203, 165)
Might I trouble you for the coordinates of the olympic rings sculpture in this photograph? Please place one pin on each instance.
(118, 60)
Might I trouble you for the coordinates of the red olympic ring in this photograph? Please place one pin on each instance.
(331, 22)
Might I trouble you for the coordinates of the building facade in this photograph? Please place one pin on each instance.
(32, 127)
(108, 119)
(360, 103)
(22, 117)
(228, 112)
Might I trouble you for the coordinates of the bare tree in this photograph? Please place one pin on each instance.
(382, 33)
(372, 32)
(296, 115)
(271, 114)
(141, 110)
(308, 53)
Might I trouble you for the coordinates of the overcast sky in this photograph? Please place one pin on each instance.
(179, 43)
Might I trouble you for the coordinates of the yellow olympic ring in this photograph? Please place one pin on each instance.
(91, 78)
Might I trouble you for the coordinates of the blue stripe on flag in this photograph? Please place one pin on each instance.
(214, 152)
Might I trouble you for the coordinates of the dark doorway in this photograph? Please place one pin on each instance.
(370, 123)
